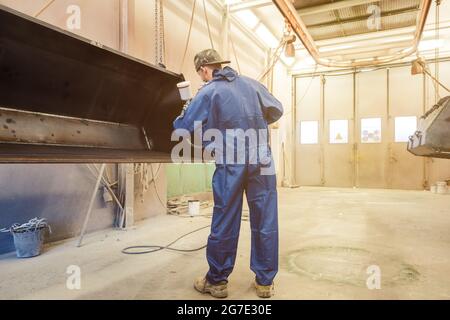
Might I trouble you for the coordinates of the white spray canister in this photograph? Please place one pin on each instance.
(185, 90)
(194, 207)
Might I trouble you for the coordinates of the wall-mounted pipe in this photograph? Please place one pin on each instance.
(290, 13)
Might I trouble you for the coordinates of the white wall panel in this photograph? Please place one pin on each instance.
(99, 18)
(406, 171)
(339, 157)
(308, 107)
(383, 94)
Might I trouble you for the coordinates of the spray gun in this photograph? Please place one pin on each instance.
(185, 91)
(186, 95)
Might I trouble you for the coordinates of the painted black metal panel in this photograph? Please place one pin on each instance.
(47, 70)
(432, 138)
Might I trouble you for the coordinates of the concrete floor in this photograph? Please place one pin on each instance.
(328, 239)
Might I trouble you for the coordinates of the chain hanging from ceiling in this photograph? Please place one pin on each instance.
(437, 53)
(160, 42)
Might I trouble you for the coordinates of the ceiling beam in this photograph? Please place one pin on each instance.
(332, 6)
(250, 4)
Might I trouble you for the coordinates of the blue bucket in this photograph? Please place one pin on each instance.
(29, 243)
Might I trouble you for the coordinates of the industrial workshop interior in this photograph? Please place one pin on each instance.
(115, 185)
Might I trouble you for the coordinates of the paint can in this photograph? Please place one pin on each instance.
(433, 188)
(194, 207)
(185, 90)
(441, 187)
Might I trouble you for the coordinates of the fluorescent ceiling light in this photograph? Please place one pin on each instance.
(267, 36)
(398, 39)
(365, 60)
(248, 18)
(231, 2)
(431, 44)
(432, 33)
(330, 48)
(336, 48)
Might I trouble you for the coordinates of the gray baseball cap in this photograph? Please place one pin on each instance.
(208, 57)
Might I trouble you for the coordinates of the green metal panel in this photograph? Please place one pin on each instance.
(188, 178)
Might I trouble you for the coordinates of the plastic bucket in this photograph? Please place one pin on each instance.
(194, 207)
(185, 90)
(29, 243)
(441, 187)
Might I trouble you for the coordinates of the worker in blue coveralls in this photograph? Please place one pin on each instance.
(229, 101)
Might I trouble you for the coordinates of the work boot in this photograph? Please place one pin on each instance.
(264, 291)
(216, 290)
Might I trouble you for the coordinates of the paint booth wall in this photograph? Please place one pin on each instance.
(59, 193)
(352, 129)
(281, 85)
(99, 19)
(150, 199)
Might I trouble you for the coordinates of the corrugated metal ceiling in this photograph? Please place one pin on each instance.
(353, 20)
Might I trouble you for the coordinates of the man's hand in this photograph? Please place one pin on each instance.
(186, 105)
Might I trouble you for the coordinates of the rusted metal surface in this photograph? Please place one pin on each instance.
(35, 128)
(66, 99)
(18, 153)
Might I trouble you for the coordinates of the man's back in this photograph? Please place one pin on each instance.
(237, 102)
(241, 109)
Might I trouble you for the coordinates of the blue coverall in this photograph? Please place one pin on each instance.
(232, 101)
